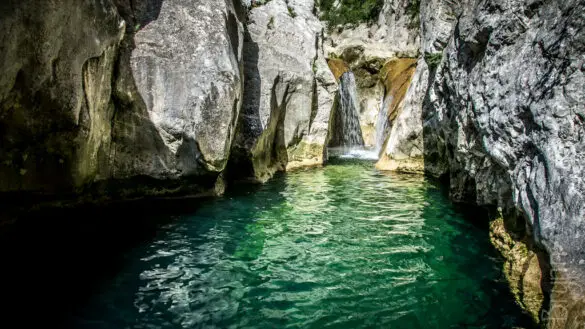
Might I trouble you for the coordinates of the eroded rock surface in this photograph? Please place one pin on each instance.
(179, 108)
(394, 34)
(504, 120)
(289, 91)
(55, 108)
(92, 92)
(405, 146)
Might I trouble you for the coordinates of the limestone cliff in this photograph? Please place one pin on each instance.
(496, 108)
(55, 93)
(504, 120)
(179, 89)
(367, 47)
(404, 148)
(289, 91)
(95, 94)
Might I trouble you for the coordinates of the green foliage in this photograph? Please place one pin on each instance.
(258, 3)
(333, 55)
(350, 12)
(413, 11)
(291, 11)
(270, 25)
(433, 60)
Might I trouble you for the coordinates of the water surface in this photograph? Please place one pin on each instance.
(344, 246)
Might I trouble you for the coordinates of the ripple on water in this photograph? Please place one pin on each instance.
(344, 246)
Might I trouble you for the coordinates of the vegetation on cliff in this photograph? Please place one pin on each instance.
(349, 11)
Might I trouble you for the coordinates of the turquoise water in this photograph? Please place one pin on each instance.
(344, 246)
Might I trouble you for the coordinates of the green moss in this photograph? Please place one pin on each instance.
(270, 25)
(304, 151)
(433, 60)
(413, 11)
(258, 3)
(351, 12)
(291, 11)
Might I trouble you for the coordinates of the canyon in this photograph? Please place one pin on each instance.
(113, 100)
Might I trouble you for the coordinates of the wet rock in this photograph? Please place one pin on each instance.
(344, 129)
(405, 146)
(522, 266)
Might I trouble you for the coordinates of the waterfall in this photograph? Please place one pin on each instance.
(382, 124)
(346, 132)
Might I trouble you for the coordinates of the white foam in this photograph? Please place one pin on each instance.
(353, 153)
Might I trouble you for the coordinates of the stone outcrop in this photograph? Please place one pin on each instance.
(504, 121)
(395, 34)
(55, 104)
(522, 265)
(94, 94)
(289, 91)
(404, 148)
(177, 116)
(396, 76)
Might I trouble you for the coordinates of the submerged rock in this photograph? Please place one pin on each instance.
(523, 267)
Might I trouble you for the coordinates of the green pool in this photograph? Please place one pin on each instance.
(344, 246)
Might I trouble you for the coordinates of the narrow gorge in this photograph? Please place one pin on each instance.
(292, 163)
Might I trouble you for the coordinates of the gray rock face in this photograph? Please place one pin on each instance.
(405, 145)
(288, 91)
(438, 17)
(55, 108)
(404, 149)
(367, 47)
(186, 63)
(170, 116)
(395, 34)
(505, 119)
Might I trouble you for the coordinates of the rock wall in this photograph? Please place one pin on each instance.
(94, 95)
(179, 89)
(394, 34)
(402, 146)
(496, 106)
(55, 109)
(503, 119)
(405, 146)
(289, 91)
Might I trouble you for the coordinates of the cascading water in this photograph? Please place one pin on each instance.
(382, 125)
(346, 132)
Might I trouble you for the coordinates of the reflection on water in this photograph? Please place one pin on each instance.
(340, 247)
